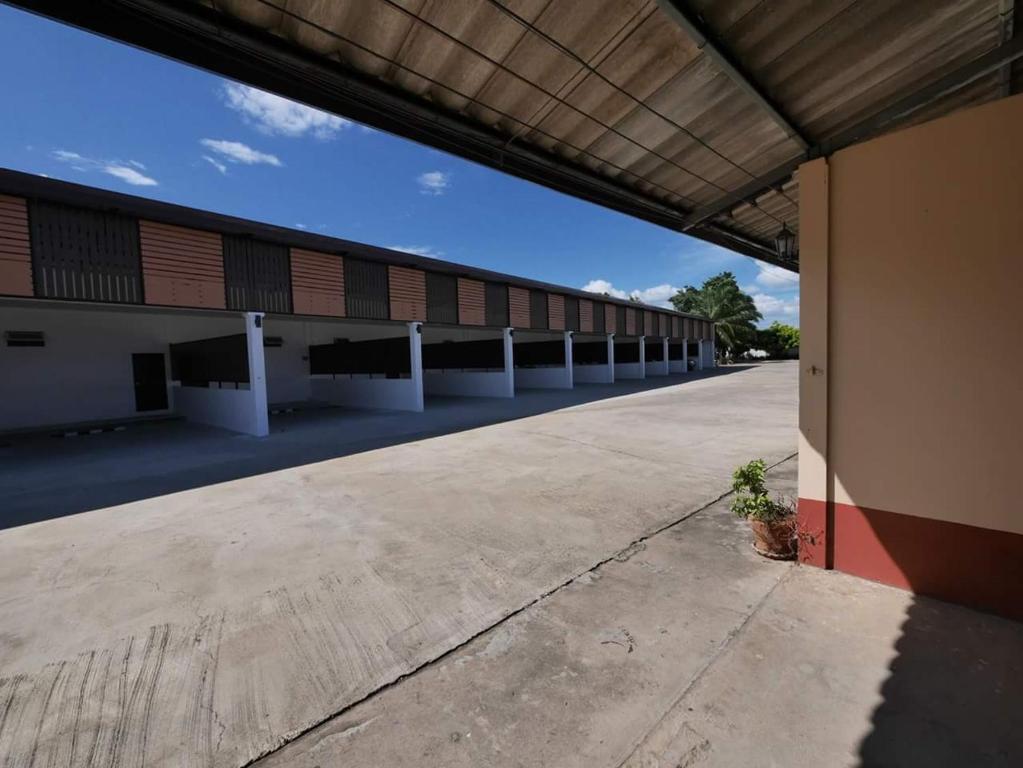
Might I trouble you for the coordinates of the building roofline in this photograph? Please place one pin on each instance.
(30, 185)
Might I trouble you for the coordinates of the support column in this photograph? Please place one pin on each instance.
(816, 491)
(509, 362)
(568, 359)
(642, 357)
(665, 356)
(711, 362)
(415, 345)
(259, 421)
(699, 354)
(611, 357)
(685, 355)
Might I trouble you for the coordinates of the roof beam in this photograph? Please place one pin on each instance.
(693, 25)
(1009, 18)
(991, 61)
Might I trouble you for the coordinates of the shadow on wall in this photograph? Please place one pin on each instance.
(44, 477)
(954, 694)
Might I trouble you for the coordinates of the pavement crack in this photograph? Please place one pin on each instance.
(632, 547)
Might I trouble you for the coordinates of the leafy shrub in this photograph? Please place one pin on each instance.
(751, 498)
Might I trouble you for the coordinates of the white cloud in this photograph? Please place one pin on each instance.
(433, 182)
(216, 164)
(301, 226)
(771, 276)
(129, 175)
(418, 250)
(658, 295)
(236, 152)
(128, 172)
(773, 307)
(602, 287)
(275, 115)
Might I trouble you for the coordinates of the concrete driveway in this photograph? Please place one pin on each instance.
(213, 625)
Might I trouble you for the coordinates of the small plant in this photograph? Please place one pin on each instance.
(752, 501)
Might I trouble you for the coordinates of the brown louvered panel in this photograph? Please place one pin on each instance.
(664, 320)
(585, 316)
(630, 321)
(610, 318)
(407, 290)
(317, 283)
(471, 302)
(687, 328)
(181, 267)
(518, 307)
(675, 330)
(15, 251)
(649, 323)
(555, 312)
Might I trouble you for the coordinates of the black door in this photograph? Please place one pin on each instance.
(150, 382)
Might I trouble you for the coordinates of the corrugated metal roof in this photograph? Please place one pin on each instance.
(614, 88)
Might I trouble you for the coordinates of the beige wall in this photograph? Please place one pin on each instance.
(924, 326)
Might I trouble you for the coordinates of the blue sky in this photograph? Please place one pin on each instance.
(87, 110)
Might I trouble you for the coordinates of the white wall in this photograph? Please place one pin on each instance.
(366, 392)
(602, 373)
(544, 378)
(84, 373)
(676, 366)
(470, 383)
(658, 367)
(234, 409)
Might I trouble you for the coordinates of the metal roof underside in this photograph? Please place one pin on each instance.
(690, 114)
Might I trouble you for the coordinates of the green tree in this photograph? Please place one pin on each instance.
(733, 312)
(778, 339)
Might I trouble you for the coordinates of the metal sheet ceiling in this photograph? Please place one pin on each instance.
(614, 91)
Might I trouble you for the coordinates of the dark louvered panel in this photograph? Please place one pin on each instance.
(537, 309)
(366, 289)
(600, 318)
(622, 323)
(571, 313)
(257, 275)
(497, 305)
(84, 255)
(441, 298)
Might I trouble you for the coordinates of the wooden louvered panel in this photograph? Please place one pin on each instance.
(181, 267)
(555, 312)
(471, 302)
(407, 288)
(585, 316)
(317, 283)
(649, 323)
(675, 330)
(15, 251)
(518, 307)
(630, 321)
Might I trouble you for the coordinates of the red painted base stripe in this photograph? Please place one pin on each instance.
(978, 567)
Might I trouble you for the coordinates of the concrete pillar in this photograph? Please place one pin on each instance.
(685, 355)
(642, 357)
(664, 355)
(415, 345)
(816, 483)
(699, 355)
(509, 362)
(259, 419)
(568, 359)
(611, 357)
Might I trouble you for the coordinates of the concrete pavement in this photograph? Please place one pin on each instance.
(213, 625)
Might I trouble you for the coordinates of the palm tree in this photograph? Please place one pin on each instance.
(734, 313)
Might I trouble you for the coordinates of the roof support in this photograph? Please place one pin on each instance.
(682, 15)
(991, 61)
(1007, 10)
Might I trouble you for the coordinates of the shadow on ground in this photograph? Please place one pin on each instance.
(44, 477)
(954, 694)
